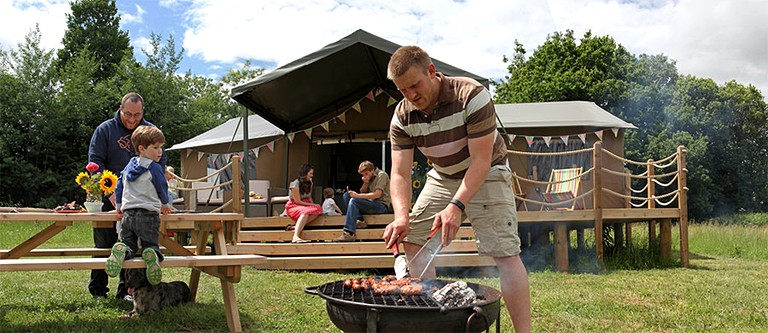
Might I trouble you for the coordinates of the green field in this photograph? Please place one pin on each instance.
(725, 289)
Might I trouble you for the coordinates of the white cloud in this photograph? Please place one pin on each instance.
(127, 18)
(17, 18)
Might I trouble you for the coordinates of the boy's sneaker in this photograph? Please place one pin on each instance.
(154, 272)
(115, 260)
(361, 224)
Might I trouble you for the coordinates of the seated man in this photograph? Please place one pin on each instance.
(373, 198)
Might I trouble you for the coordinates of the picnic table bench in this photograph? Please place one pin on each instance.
(221, 226)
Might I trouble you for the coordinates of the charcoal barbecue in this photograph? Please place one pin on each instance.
(366, 311)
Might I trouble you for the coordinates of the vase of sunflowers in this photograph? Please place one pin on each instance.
(96, 185)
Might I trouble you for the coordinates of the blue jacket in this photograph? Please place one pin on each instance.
(142, 184)
(111, 146)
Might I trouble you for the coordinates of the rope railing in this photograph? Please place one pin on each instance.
(640, 190)
(204, 178)
(543, 182)
(625, 160)
(623, 174)
(658, 182)
(655, 197)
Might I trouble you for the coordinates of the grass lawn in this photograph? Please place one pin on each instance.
(725, 289)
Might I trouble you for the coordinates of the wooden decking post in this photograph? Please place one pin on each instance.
(597, 164)
(665, 239)
(682, 202)
(561, 246)
(651, 203)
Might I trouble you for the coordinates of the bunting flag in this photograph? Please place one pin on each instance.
(325, 126)
(529, 139)
(547, 139)
(391, 101)
(370, 96)
(308, 132)
(290, 136)
(189, 152)
(343, 118)
(599, 134)
(271, 146)
(378, 92)
(357, 107)
(512, 137)
(564, 138)
(255, 152)
(200, 155)
(583, 137)
(615, 132)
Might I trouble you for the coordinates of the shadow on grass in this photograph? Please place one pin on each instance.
(104, 316)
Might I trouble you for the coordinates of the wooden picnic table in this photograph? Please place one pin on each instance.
(222, 226)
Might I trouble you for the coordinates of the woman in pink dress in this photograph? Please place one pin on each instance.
(300, 207)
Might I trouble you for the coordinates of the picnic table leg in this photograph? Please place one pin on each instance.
(194, 280)
(227, 287)
(35, 241)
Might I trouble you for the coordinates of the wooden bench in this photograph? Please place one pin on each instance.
(267, 236)
(81, 252)
(58, 264)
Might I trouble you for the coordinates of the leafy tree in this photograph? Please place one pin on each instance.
(26, 85)
(95, 25)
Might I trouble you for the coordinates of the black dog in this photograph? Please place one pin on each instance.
(148, 298)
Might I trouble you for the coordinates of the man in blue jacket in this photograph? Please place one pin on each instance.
(111, 149)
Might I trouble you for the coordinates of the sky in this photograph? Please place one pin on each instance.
(717, 39)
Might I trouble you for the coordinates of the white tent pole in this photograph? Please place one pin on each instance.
(384, 155)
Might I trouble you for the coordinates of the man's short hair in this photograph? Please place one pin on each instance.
(406, 57)
(146, 135)
(133, 97)
(366, 166)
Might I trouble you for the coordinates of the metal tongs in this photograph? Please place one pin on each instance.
(431, 258)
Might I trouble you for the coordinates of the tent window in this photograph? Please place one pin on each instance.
(545, 164)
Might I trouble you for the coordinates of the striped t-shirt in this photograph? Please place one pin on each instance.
(464, 110)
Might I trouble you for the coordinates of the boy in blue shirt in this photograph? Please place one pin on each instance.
(141, 196)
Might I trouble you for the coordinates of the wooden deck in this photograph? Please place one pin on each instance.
(267, 236)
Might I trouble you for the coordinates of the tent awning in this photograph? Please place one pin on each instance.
(228, 137)
(319, 86)
(578, 114)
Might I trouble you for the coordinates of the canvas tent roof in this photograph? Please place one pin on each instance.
(228, 137)
(576, 114)
(318, 86)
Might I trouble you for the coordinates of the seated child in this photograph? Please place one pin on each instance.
(329, 206)
(172, 183)
(141, 195)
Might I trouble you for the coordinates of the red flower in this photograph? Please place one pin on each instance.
(92, 167)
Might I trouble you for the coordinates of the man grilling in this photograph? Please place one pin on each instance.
(453, 122)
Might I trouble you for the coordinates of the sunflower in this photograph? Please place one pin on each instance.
(108, 182)
(416, 184)
(81, 179)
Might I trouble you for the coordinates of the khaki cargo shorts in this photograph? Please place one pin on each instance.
(491, 212)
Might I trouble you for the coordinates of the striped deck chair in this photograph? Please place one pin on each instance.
(564, 185)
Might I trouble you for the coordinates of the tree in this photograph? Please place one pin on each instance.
(95, 25)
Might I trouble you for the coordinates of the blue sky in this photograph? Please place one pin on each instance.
(722, 40)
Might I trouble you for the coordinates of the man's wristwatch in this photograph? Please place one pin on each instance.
(458, 204)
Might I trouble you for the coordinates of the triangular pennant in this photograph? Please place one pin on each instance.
(370, 96)
(512, 137)
(391, 101)
(378, 92)
(615, 132)
(564, 138)
(357, 107)
(308, 132)
(583, 137)
(256, 152)
(325, 126)
(529, 139)
(200, 155)
(290, 136)
(599, 134)
(271, 146)
(189, 152)
(547, 139)
(343, 118)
